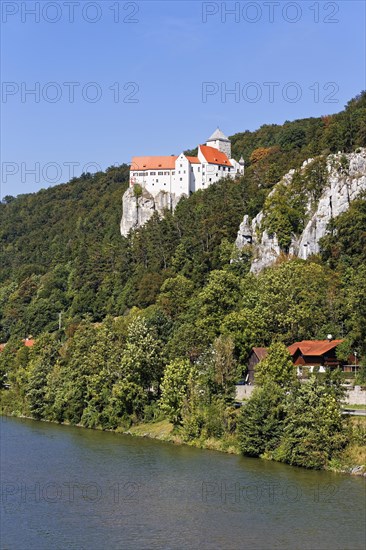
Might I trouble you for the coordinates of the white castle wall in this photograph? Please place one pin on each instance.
(182, 180)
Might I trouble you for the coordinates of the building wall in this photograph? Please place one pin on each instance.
(252, 363)
(237, 168)
(356, 396)
(182, 176)
(352, 397)
(154, 180)
(211, 173)
(196, 178)
(186, 178)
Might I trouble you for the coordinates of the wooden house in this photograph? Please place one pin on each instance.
(307, 355)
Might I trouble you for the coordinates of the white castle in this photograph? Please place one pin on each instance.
(182, 175)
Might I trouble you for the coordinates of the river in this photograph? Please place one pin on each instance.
(66, 487)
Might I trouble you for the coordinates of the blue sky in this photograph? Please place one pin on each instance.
(153, 77)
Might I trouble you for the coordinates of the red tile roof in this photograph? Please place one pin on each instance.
(194, 160)
(29, 342)
(214, 156)
(153, 163)
(261, 353)
(313, 347)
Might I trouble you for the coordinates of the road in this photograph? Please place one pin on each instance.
(355, 412)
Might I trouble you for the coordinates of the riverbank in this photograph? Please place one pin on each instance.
(352, 461)
(165, 431)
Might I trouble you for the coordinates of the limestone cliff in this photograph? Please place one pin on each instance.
(346, 178)
(137, 210)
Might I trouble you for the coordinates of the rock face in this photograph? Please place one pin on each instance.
(342, 188)
(136, 211)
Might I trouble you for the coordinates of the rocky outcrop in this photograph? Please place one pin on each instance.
(137, 210)
(344, 183)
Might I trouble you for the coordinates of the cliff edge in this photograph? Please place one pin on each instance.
(343, 179)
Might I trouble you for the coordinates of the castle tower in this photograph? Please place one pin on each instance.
(219, 141)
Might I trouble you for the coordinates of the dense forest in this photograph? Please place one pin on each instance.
(160, 324)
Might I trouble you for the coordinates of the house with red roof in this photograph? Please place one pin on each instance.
(184, 174)
(306, 355)
(28, 342)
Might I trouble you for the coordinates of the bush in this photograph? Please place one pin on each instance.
(137, 190)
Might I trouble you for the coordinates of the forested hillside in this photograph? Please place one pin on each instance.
(153, 322)
(61, 249)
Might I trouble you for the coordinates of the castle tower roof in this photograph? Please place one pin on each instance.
(218, 135)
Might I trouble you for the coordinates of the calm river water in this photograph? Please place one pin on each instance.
(65, 487)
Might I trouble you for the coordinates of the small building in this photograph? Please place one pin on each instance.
(319, 354)
(28, 342)
(315, 353)
(307, 355)
(256, 355)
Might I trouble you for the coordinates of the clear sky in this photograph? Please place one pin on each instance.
(115, 79)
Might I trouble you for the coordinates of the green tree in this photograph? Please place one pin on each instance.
(174, 389)
(261, 420)
(276, 367)
(42, 359)
(142, 360)
(344, 245)
(174, 295)
(217, 299)
(126, 403)
(314, 429)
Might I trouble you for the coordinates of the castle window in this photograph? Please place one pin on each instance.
(199, 169)
(166, 173)
(173, 172)
(180, 179)
(157, 181)
(152, 173)
(134, 174)
(224, 168)
(160, 173)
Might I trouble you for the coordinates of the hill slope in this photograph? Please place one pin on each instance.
(161, 324)
(61, 249)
